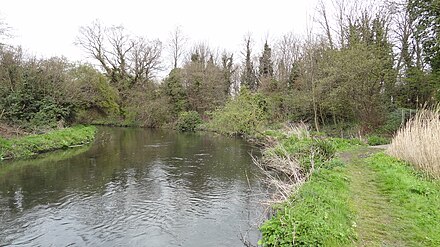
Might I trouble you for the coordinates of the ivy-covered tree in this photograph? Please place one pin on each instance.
(265, 69)
(426, 14)
(248, 77)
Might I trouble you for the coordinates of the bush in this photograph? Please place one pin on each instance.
(188, 121)
(246, 114)
(375, 140)
(305, 150)
(341, 144)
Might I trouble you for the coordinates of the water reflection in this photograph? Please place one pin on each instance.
(133, 187)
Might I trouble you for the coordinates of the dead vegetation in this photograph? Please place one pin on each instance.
(418, 142)
(8, 132)
(282, 170)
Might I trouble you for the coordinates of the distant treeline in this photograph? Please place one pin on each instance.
(363, 64)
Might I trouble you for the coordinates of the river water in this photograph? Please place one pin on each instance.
(134, 187)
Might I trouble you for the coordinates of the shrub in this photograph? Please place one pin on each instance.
(188, 121)
(245, 114)
(375, 140)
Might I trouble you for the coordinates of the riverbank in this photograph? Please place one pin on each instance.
(361, 197)
(26, 146)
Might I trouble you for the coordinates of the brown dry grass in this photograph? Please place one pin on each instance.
(418, 142)
(283, 171)
(7, 131)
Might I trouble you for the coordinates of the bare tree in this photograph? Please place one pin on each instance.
(145, 59)
(324, 22)
(92, 40)
(287, 51)
(5, 31)
(176, 46)
(126, 60)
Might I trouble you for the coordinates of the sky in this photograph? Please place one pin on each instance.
(47, 28)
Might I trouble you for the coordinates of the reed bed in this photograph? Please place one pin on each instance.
(418, 142)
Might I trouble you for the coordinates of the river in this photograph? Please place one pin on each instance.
(134, 187)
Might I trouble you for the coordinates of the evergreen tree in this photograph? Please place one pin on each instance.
(266, 65)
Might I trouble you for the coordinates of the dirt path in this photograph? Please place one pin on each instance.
(374, 222)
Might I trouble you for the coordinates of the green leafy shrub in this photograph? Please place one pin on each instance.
(375, 140)
(188, 121)
(305, 150)
(394, 120)
(245, 114)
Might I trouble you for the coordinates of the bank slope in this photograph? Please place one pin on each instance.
(34, 144)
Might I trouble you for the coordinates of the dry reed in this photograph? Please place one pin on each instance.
(418, 142)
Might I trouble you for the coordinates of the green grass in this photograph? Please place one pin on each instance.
(415, 200)
(374, 201)
(318, 215)
(35, 144)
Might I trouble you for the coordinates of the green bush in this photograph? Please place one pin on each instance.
(394, 120)
(188, 121)
(341, 144)
(246, 114)
(375, 140)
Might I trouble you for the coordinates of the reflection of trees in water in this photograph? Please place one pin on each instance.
(196, 162)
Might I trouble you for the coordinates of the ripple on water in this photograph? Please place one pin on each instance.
(184, 193)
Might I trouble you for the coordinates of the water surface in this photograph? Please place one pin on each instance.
(134, 187)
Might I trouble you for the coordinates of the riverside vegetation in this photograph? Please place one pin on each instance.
(362, 82)
(34, 144)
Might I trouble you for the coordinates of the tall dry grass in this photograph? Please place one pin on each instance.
(418, 142)
(282, 170)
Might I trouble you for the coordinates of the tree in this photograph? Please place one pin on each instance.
(228, 71)
(204, 80)
(426, 14)
(287, 52)
(126, 60)
(248, 77)
(176, 45)
(175, 91)
(4, 31)
(265, 69)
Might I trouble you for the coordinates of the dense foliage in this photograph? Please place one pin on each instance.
(188, 121)
(352, 80)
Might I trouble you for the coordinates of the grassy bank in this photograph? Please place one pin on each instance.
(316, 211)
(413, 198)
(372, 201)
(317, 215)
(34, 144)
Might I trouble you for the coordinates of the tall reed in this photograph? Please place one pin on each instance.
(418, 142)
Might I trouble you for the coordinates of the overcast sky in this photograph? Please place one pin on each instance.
(49, 27)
